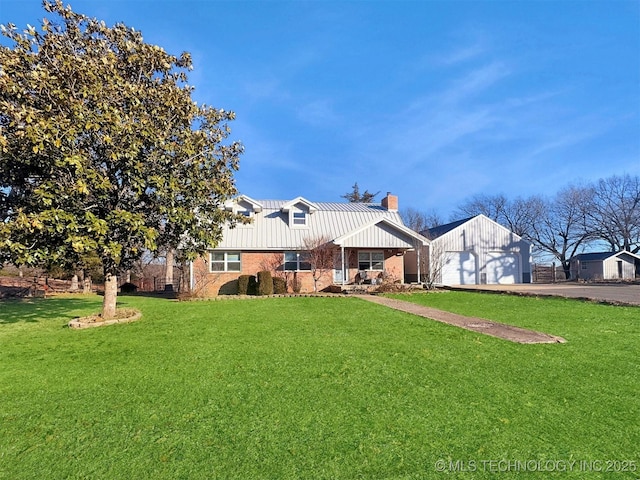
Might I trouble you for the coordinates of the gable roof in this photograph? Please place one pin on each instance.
(475, 232)
(347, 223)
(406, 234)
(437, 231)
(601, 256)
(232, 205)
(312, 207)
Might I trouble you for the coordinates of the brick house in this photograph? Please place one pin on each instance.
(368, 242)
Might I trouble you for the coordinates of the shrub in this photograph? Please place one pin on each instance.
(279, 285)
(265, 283)
(297, 285)
(243, 284)
(128, 287)
(253, 285)
(229, 288)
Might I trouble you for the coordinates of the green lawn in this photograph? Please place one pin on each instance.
(290, 388)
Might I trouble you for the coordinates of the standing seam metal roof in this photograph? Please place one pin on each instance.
(270, 228)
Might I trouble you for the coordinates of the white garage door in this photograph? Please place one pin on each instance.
(459, 268)
(502, 268)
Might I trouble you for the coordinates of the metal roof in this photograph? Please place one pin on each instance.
(271, 229)
(597, 256)
(439, 230)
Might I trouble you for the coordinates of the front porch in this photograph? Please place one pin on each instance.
(374, 254)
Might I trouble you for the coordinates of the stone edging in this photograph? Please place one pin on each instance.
(88, 322)
(263, 297)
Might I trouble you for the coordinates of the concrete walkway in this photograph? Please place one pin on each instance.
(478, 325)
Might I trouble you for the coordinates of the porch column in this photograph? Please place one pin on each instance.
(418, 256)
(342, 263)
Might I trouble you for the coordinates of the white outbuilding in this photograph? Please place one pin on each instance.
(475, 251)
(604, 266)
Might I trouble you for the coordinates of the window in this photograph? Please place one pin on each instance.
(299, 218)
(295, 261)
(370, 261)
(224, 262)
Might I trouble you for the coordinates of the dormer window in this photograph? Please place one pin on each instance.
(299, 218)
(298, 210)
(245, 206)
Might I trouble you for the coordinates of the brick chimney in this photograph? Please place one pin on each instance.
(390, 202)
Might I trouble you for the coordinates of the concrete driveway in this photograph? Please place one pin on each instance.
(613, 293)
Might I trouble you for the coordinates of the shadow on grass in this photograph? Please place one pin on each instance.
(33, 310)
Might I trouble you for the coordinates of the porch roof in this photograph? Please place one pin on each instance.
(381, 233)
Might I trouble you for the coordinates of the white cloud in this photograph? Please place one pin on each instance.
(475, 82)
(461, 55)
(318, 112)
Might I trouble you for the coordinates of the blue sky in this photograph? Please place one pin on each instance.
(434, 101)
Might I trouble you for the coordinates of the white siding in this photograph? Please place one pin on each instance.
(604, 266)
(379, 236)
(591, 270)
(459, 268)
(271, 229)
(612, 271)
(503, 268)
(488, 240)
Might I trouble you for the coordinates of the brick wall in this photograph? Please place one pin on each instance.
(219, 283)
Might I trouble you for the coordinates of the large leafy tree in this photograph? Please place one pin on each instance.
(103, 148)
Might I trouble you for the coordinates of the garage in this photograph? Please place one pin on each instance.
(475, 251)
(502, 268)
(459, 268)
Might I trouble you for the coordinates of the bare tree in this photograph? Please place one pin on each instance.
(275, 264)
(517, 215)
(492, 206)
(560, 228)
(418, 220)
(613, 212)
(202, 279)
(320, 254)
(435, 262)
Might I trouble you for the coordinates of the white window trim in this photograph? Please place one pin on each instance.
(225, 261)
(299, 260)
(248, 213)
(292, 218)
(370, 252)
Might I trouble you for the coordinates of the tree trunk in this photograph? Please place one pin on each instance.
(86, 284)
(110, 296)
(566, 267)
(74, 283)
(168, 276)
